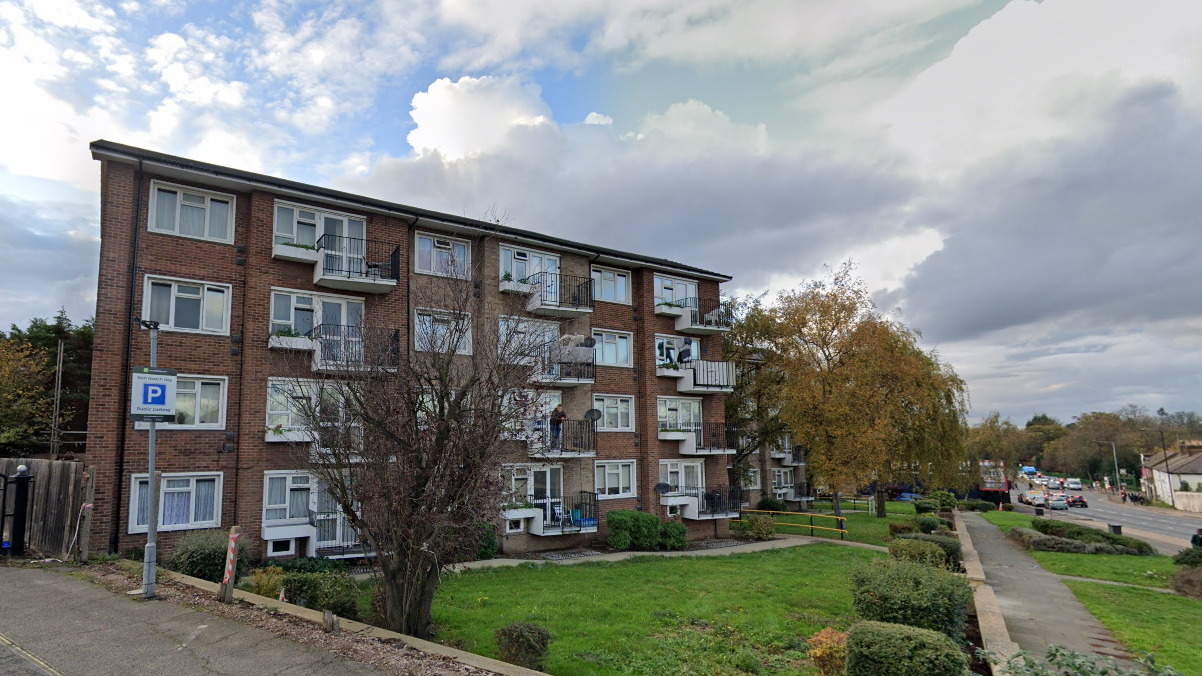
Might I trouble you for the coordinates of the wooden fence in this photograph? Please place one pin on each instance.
(55, 496)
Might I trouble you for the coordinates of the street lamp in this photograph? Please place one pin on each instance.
(1114, 449)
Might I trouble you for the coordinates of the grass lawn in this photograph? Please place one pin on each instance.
(861, 526)
(657, 615)
(1008, 520)
(1148, 571)
(1165, 625)
(891, 507)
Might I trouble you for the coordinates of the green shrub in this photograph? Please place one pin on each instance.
(949, 520)
(926, 506)
(1188, 582)
(524, 644)
(974, 505)
(947, 501)
(927, 553)
(909, 593)
(201, 553)
(1189, 558)
(307, 564)
(1072, 531)
(747, 662)
(1060, 661)
(488, 546)
(953, 551)
(878, 648)
(900, 527)
(757, 527)
(828, 652)
(266, 582)
(772, 505)
(643, 529)
(1007, 506)
(332, 591)
(673, 535)
(927, 523)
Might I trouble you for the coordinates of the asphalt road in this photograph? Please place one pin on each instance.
(1103, 512)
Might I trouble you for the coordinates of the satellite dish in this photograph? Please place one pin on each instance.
(592, 414)
(663, 488)
(588, 342)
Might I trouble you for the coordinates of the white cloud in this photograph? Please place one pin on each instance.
(192, 67)
(598, 118)
(473, 115)
(699, 128)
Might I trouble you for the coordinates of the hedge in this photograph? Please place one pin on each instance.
(772, 505)
(928, 523)
(307, 564)
(756, 527)
(953, 551)
(642, 531)
(332, 591)
(1189, 558)
(909, 593)
(947, 501)
(879, 648)
(673, 535)
(1039, 542)
(974, 505)
(202, 554)
(927, 553)
(1088, 535)
(926, 506)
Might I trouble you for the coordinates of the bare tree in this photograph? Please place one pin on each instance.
(408, 440)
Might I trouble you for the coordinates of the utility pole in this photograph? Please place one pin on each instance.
(1165, 450)
(1118, 482)
(58, 392)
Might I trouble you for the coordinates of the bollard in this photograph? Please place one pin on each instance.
(1039, 511)
(20, 510)
(226, 589)
(1116, 528)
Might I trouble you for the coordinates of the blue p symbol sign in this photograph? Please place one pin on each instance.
(154, 395)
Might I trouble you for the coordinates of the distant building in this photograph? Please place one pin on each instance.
(1164, 472)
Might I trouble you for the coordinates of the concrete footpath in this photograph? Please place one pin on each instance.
(52, 624)
(1038, 608)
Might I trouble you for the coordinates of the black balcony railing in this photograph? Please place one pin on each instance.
(571, 436)
(344, 345)
(359, 258)
(707, 313)
(716, 436)
(712, 374)
(565, 291)
(568, 513)
(554, 361)
(718, 500)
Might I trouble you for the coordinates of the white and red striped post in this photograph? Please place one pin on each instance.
(231, 563)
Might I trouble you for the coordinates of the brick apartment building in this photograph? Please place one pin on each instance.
(236, 265)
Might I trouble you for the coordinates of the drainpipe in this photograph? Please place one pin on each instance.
(115, 521)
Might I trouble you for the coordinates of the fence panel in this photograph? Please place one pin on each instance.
(55, 497)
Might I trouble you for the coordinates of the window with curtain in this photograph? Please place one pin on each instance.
(180, 305)
(286, 497)
(185, 502)
(188, 212)
(199, 404)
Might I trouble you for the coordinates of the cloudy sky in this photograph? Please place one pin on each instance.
(1019, 179)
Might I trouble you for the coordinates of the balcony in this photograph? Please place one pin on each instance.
(697, 504)
(573, 439)
(700, 439)
(351, 264)
(703, 317)
(699, 377)
(565, 515)
(338, 347)
(564, 367)
(557, 295)
(299, 253)
(793, 459)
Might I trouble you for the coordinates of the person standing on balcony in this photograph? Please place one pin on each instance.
(557, 418)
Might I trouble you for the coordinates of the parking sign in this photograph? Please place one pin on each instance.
(153, 397)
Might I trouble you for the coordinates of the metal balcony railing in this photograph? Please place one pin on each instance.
(711, 374)
(554, 361)
(714, 436)
(707, 313)
(717, 500)
(344, 345)
(571, 436)
(568, 513)
(565, 291)
(359, 258)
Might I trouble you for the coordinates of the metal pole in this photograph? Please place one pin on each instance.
(1117, 478)
(1164, 449)
(152, 516)
(58, 391)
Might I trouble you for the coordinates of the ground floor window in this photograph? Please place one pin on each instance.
(614, 479)
(782, 478)
(186, 501)
(515, 525)
(281, 547)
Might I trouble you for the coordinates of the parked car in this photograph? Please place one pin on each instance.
(1076, 501)
(908, 497)
(1057, 502)
(1072, 484)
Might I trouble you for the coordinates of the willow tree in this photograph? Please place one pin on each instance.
(858, 391)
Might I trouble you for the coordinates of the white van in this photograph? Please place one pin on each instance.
(1072, 484)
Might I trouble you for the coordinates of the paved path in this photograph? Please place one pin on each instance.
(1038, 608)
(52, 624)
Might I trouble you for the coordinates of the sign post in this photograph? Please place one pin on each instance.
(153, 401)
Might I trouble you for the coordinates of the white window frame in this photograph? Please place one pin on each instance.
(694, 355)
(657, 283)
(605, 466)
(292, 413)
(509, 530)
(290, 551)
(680, 465)
(750, 484)
(209, 195)
(287, 476)
(217, 491)
(599, 349)
(619, 397)
(466, 265)
(220, 425)
(464, 347)
(317, 211)
(175, 282)
(507, 324)
(317, 297)
(598, 282)
(778, 475)
(700, 407)
(518, 249)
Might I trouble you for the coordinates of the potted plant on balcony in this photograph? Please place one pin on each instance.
(669, 369)
(292, 251)
(511, 285)
(289, 339)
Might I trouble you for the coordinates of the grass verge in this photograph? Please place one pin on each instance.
(861, 527)
(656, 615)
(1146, 571)
(1148, 621)
(1007, 520)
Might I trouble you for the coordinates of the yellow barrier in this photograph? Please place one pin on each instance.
(840, 522)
